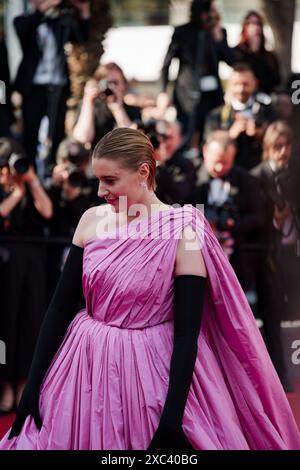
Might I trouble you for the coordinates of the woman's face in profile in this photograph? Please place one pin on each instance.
(119, 186)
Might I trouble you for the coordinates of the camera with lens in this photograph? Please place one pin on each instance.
(155, 129)
(284, 184)
(12, 156)
(105, 88)
(76, 176)
(219, 215)
(19, 163)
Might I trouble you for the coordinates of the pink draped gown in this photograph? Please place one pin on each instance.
(107, 384)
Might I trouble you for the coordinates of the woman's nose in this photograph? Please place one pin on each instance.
(102, 190)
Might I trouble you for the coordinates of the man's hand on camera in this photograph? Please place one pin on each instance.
(251, 128)
(238, 127)
(91, 91)
(19, 189)
(59, 174)
(30, 178)
(44, 5)
(255, 130)
(115, 101)
(162, 102)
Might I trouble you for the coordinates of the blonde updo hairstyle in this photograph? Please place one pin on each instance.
(130, 148)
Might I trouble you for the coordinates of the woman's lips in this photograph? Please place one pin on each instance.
(111, 201)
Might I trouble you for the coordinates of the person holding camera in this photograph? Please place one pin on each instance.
(199, 47)
(166, 354)
(175, 174)
(24, 208)
(103, 107)
(43, 77)
(279, 270)
(72, 191)
(232, 204)
(279, 179)
(245, 115)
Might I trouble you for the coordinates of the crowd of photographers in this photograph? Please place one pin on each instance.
(232, 151)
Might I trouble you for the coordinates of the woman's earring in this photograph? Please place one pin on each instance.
(143, 184)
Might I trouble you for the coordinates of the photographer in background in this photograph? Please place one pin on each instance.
(278, 280)
(279, 179)
(24, 207)
(245, 115)
(6, 110)
(43, 77)
(199, 46)
(72, 191)
(175, 174)
(103, 107)
(232, 204)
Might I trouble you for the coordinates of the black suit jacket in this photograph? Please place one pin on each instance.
(245, 193)
(6, 110)
(175, 179)
(265, 175)
(188, 43)
(249, 148)
(26, 29)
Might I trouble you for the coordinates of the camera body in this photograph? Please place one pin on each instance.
(155, 129)
(18, 163)
(105, 88)
(284, 184)
(76, 176)
(11, 155)
(219, 215)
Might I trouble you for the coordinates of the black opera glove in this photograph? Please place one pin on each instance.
(60, 313)
(188, 306)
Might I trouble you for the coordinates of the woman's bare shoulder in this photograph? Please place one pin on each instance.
(189, 259)
(86, 225)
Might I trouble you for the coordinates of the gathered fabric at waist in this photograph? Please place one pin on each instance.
(83, 316)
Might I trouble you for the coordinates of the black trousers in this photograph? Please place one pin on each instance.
(270, 310)
(289, 264)
(196, 121)
(22, 307)
(44, 100)
(255, 272)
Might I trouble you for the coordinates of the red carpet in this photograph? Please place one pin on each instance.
(5, 423)
(294, 400)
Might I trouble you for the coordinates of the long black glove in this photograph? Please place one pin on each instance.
(62, 310)
(188, 305)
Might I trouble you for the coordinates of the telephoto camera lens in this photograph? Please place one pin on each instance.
(76, 177)
(105, 89)
(19, 163)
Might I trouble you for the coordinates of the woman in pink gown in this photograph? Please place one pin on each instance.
(107, 383)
